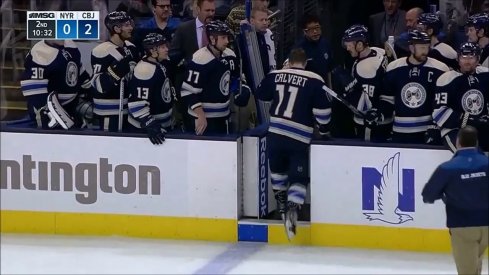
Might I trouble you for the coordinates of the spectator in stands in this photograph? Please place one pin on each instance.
(390, 22)
(162, 22)
(401, 45)
(137, 9)
(237, 14)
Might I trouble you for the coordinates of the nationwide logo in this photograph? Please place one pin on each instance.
(388, 196)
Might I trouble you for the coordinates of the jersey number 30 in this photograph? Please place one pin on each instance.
(291, 96)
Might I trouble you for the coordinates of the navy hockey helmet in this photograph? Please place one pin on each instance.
(431, 21)
(355, 33)
(217, 27)
(116, 18)
(469, 49)
(479, 21)
(153, 40)
(418, 37)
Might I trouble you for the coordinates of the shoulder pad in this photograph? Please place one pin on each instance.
(379, 51)
(70, 44)
(129, 43)
(368, 67)
(447, 77)
(105, 49)
(433, 63)
(481, 69)
(43, 54)
(144, 70)
(398, 63)
(228, 52)
(202, 56)
(446, 50)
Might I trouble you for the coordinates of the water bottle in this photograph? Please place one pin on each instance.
(390, 40)
(433, 8)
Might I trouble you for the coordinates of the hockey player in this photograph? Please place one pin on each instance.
(362, 89)
(477, 30)
(432, 25)
(150, 91)
(409, 93)
(299, 101)
(212, 75)
(112, 63)
(53, 84)
(462, 98)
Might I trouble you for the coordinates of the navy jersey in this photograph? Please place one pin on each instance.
(319, 58)
(207, 82)
(298, 99)
(445, 54)
(409, 93)
(106, 88)
(368, 74)
(150, 94)
(458, 94)
(52, 68)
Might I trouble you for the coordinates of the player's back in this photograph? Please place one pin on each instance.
(297, 97)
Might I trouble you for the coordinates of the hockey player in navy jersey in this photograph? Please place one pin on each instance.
(112, 63)
(150, 91)
(363, 87)
(409, 92)
(432, 25)
(462, 98)
(54, 83)
(212, 77)
(477, 30)
(299, 102)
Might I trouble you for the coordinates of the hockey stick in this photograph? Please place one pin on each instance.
(121, 105)
(344, 102)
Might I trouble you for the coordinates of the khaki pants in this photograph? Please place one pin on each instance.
(468, 246)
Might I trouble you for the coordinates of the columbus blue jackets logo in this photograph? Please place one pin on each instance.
(71, 74)
(413, 95)
(473, 102)
(166, 91)
(388, 196)
(224, 83)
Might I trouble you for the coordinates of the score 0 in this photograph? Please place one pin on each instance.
(77, 25)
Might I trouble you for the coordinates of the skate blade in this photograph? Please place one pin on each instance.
(290, 230)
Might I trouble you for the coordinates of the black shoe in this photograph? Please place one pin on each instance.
(281, 197)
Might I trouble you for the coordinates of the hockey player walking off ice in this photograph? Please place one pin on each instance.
(299, 102)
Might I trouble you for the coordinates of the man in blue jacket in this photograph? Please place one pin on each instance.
(463, 185)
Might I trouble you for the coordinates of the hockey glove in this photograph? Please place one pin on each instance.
(241, 99)
(118, 69)
(432, 136)
(373, 118)
(156, 133)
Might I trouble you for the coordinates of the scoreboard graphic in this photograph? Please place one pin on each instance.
(73, 25)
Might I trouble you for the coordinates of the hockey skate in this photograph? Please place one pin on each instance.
(281, 197)
(291, 220)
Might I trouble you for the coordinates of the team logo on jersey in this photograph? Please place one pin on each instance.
(224, 83)
(413, 95)
(166, 91)
(414, 72)
(71, 74)
(473, 102)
